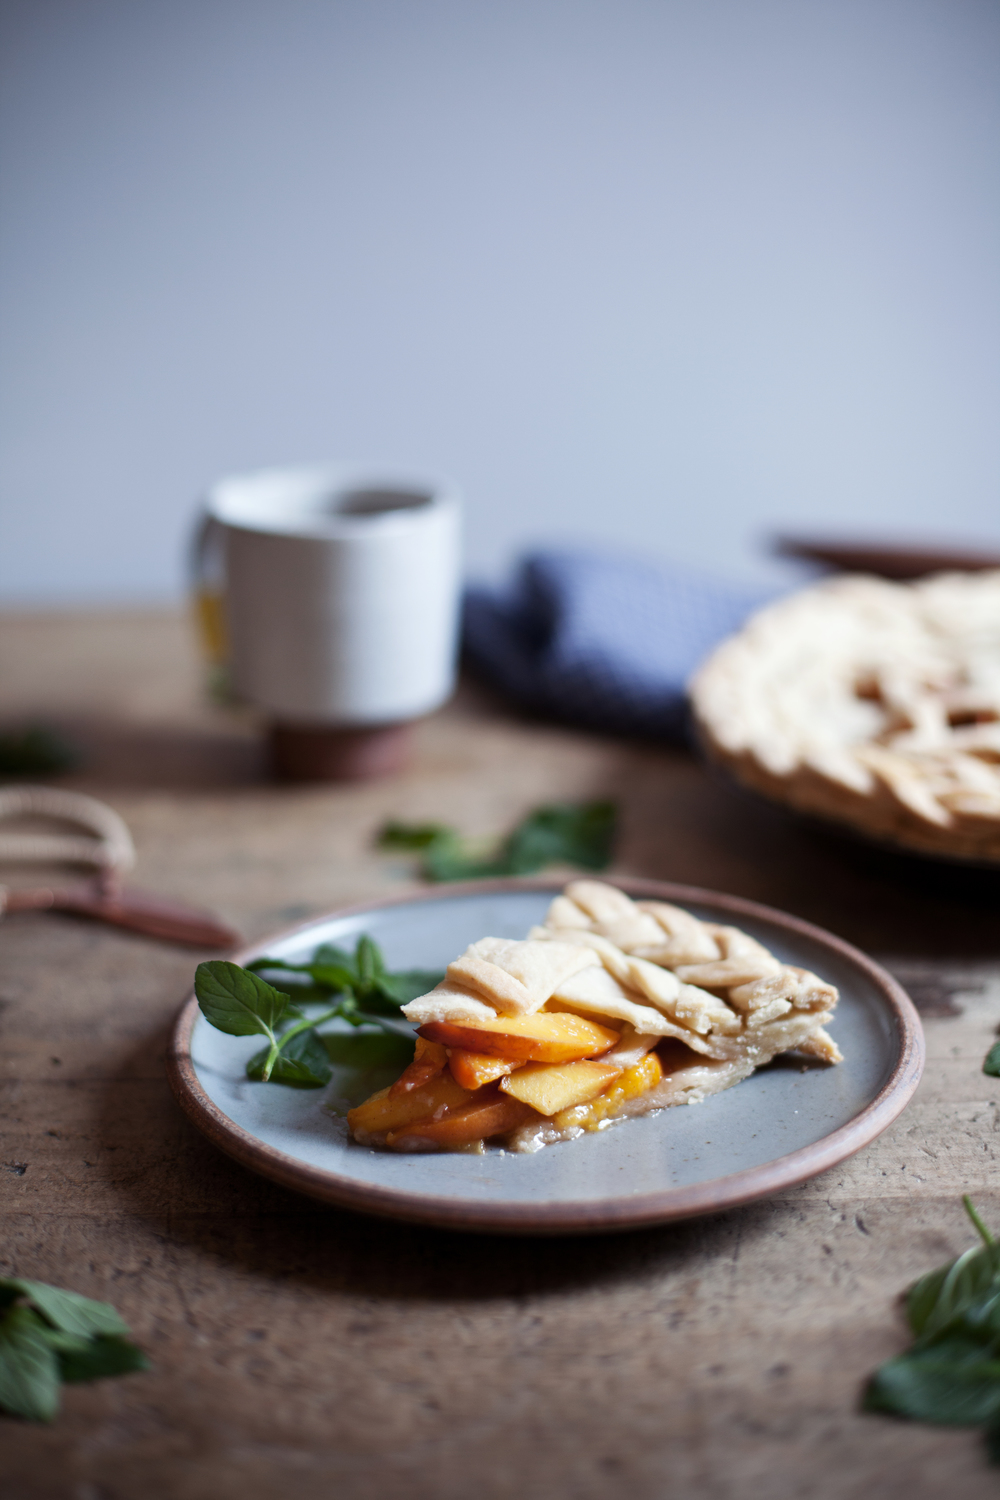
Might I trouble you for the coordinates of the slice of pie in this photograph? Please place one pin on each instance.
(613, 1008)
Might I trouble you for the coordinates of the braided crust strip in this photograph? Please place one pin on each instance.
(721, 986)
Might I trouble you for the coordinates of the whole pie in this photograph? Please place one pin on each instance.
(876, 704)
(613, 1008)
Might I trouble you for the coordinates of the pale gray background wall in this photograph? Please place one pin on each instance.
(667, 273)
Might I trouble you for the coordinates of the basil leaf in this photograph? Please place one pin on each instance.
(991, 1064)
(29, 1368)
(101, 1357)
(68, 1311)
(408, 984)
(302, 1064)
(237, 1001)
(361, 1049)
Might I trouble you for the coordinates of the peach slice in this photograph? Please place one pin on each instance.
(478, 1120)
(549, 1088)
(370, 1122)
(542, 1037)
(473, 1070)
(428, 1060)
(645, 1075)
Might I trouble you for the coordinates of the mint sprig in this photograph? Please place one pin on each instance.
(49, 1336)
(242, 1003)
(563, 833)
(950, 1375)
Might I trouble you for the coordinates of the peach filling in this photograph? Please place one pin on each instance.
(475, 1081)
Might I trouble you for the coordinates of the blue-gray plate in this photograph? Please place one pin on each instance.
(788, 1122)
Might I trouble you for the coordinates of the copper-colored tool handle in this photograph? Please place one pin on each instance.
(132, 909)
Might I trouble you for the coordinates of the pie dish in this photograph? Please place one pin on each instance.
(610, 1008)
(871, 703)
(783, 1125)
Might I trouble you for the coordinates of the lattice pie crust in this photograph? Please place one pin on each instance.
(713, 1001)
(873, 703)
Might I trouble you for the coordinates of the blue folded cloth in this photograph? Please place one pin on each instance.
(605, 641)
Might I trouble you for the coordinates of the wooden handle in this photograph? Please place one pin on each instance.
(135, 910)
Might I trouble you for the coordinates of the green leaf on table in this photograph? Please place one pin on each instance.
(945, 1386)
(61, 1336)
(936, 1299)
(236, 1000)
(368, 1049)
(301, 1064)
(29, 1367)
(68, 1311)
(991, 1063)
(561, 833)
(37, 751)
(565, 833)
(101, 1357)
(413, 836)
(951, 1373)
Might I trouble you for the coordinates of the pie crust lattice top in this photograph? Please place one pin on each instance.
(874, 703)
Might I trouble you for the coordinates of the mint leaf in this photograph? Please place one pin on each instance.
(37, 751)
(334, 978)
(367, 962)
(101, 1357)
(68, 1311)
(564, 833)
(560, 833)
(237, 1001)
(329, 953)
(937, 1386)
(301, 1064)
(366, 1049)
(937, 1299)
(62, 1336)
(408, 984)
(447, 860)
(29, 1368)
(951, 1373)
(413, 835)
(991, 1063)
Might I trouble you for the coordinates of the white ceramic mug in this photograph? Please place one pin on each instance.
(341, 593)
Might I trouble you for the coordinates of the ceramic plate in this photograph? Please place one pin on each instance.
(786, 1123)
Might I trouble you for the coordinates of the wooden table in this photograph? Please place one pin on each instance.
(303, 1352)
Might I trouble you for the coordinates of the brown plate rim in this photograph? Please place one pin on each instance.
(543, 1217)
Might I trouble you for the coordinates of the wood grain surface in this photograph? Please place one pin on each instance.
(302, 1351)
